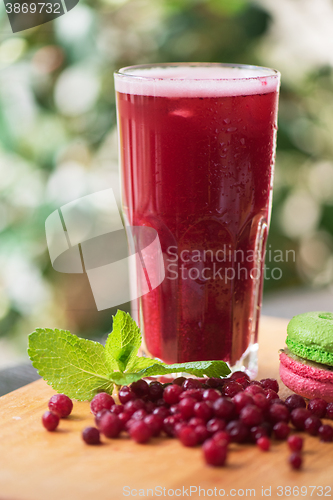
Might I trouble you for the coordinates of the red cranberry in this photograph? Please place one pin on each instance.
(312, 425)
(161, 402)
(133, 406)
(61, 405)
(203, 381)
(211, 395)
(237, 431)
(150, 406)
(317, 407)
(326, 433)
(270, 395)
(140, 432)
(178, 427)
(261, 402)
(155, 391)
(270, 383)
(264, 443)
(298, 417)
(278, 413)
(294, 401)
(129, 424)
(196, 394)
(101, 401)
(171, 394)
(192, 383)
(242, 380)
(186, 408)
(90, 435)
(241, 400)
(139, 414)
(174, 409)
(140, 388)
(161, 412)
(124, 418)
(239, 375)
(257, 432)
(50, 421)
(126, 394)
(169, 424)
(110, 425)
(203, 410)
(254, 389)
(329, 411)
(278, 401)
(195, 421)
(99, 415)
(215, 425)
(214, 382)
(224, 408)
(295, 443)
(201, 432)
(281, 431)
(255, 382)
(117, 409)
(232, 388)
(295, 460)
(251, 415)
(214, 452)
(221, 436)
(179, 380)
(154, 423)
(187, 436)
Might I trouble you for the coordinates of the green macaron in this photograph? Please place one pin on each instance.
(310, 336)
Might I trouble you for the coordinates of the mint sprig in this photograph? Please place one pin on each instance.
(72, 365)
(81, 368)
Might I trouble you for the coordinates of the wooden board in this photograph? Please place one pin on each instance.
(38, 465)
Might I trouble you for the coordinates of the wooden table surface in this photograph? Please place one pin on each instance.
(39, 465)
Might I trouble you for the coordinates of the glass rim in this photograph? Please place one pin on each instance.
(262, 71)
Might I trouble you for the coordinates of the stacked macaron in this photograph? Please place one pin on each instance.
(306, 366)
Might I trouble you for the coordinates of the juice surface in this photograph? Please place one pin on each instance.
(199, 170)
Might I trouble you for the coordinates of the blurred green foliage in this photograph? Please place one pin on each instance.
(58, 139)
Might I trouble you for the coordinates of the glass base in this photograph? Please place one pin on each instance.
(248, 363)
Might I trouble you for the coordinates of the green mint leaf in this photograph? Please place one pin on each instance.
(198, 368)
(123, 342)
(120, 378)
(151, 367)
(140, 363)
(72, 365)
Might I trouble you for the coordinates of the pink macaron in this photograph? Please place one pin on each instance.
(306, 378)
(306, 365)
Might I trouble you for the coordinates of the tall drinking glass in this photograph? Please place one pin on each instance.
(197, 148)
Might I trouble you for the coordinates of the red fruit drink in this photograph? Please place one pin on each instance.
(197, 146)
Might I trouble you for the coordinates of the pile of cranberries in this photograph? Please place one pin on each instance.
(208, 412)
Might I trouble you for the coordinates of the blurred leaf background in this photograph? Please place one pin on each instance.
(58, 133)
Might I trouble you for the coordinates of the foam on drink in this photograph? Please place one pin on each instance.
(196, 81)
